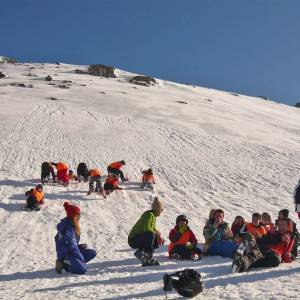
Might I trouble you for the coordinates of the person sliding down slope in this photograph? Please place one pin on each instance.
(111, 184)
(115, 169)
(71, 255)
(34, 198)
(183, 241)
(148, 179)
(145, 237)
(268, 251)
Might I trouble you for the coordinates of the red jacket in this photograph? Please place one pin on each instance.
(116, 165)
(178, 238)
(148, 178)
(272, 242)
(113, 181)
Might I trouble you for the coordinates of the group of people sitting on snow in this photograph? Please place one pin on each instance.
(64, 175)
(258, 243)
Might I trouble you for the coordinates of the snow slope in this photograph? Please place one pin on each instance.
(220, 150)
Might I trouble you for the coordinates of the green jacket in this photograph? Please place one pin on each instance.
(211, 232)
(146, 223)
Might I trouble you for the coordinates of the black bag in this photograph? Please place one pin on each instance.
(189, 283)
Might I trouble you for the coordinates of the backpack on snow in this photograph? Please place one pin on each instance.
(189, 283)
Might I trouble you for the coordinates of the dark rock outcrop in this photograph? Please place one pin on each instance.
(49, 78)
(297, 104)
(102, 70)
(142, 80)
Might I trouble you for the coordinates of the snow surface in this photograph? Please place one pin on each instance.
(220, 150)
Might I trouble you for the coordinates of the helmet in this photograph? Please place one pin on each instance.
(150, 171)
(39, 186)
(181, 218)
(123, 162)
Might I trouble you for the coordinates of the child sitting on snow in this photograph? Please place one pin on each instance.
(148, 179)
(183, 241)
(34, 198)
(111, 184)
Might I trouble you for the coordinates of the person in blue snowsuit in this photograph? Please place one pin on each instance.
(71, 255)
(218, 236)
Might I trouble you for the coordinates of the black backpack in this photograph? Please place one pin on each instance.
(189, 283)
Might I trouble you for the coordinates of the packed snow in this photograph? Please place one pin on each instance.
(217, 150)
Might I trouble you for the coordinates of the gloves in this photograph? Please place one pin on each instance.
(189, 245)
(82, 246)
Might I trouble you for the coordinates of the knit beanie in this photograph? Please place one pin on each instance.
(71, 210)
(157, 204)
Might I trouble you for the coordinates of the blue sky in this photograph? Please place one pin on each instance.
(247, 46)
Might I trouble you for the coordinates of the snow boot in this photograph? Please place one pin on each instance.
(147, 259)
(138, 254)
(237, 264)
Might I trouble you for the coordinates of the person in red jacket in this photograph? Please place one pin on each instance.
(115, 168)
(268, 251)
(183, 241)
(62, 172)
(148, 179)
(111, 184)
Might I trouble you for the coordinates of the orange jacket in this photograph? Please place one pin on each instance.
(95, 172)
(255, 231)
(116, 165)
(61, 166)
(39, 196)
(113, 181)
(187, 236)
(148, 178)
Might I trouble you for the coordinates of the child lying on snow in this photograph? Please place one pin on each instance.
(267, 251)
(183, 241)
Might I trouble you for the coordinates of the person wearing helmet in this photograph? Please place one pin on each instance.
(34, 198)
(115, 168)
(183, 243)
(148, 179)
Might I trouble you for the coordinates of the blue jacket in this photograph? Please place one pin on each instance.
(66, 241)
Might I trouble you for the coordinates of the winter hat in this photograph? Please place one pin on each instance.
(157, 204)
(181, 218)
(71, 210)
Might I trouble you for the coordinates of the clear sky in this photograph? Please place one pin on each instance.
(247, 46)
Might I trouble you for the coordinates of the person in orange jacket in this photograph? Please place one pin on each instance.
(111, 184)
(115, 168)
(95, 177)
(62, 172)
(34, 198)
(148, 179)
(255, 228)
(183, 243)
(268, 251)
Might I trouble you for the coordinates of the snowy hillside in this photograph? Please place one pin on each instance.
(216, 150)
